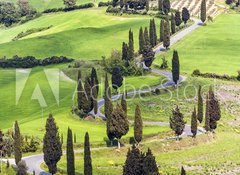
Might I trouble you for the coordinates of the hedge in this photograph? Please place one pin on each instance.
(66, 9)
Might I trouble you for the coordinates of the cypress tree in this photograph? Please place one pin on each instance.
(173, 24)
(148, 55)
(183, 172)
(154, 32)
(52, 146)
(94, 98)
(147, 5)
(17, 143)
(149, 164)
(146, 37)
(70, 154)
(75, 138)
(166, 6)
(121, 3)
(178, 19)
(133, 163)
(177, 123)
(175, 67)
(138, 125)
(130, 45)
(160, 5)
(194, 123)
(80, 92)
(120, 125)
(124, 103)
(87, 156)
(117, 78)
(87, 106)
(207, 117)
(203, 11)
(151, 33)
(124, 51)
(94, 79)
(161, 30)
(200, 105)
(166, 36)
(185, 15)
(141, 40)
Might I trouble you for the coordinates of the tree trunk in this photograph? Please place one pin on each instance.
(119, 146)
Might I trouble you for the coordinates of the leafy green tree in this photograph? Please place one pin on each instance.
(117, 78)
(87, 156)
(124, 102)
(70, 154)
(149, 164)
(124, 51)
(207, 117)
(178, 19)
(52, 146)
(133, 163)
(203, 11)
(141, 40)
(183, 172)
(200, 105)
(166, 37)
(194, 123)
(8, 14)
(138, 125)
(173, 24)
(161, 30)
(185, 15)
(120, 124)
(175, 67)
(166, 6)
(17, 143)
(24, 8)
(177, 124)
(69, 3)
(130, 45)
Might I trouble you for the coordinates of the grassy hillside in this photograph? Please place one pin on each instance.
(73, 34)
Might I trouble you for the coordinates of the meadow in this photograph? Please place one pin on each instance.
(73, 34)
(212, 48)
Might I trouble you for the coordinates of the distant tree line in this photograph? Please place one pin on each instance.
(70, 8)
(11, 13)
(30, 61)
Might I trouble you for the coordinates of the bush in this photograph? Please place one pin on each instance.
(67, 9)
(112, 9)
(104, 4)
(30, 61)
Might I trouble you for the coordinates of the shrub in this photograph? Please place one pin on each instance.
(102, 4)
(30, 61)
(67, 9)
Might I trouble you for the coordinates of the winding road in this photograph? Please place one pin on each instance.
(34, 162)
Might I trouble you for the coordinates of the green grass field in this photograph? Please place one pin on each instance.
(213, 48)
(74, 34)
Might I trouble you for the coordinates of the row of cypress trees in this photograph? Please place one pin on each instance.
(52, 149)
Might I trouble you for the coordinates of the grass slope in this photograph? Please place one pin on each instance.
(213, 48)
(73, 34)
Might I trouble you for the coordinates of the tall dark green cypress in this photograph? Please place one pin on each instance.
(149, 164)
(80, 92)
(124, 51)
(141, 40)
(147, 5)
(161, 30)
(70, 154)
(52, 146)
(160, 5)
(175, 67)
(200, 105)
(95, 101)
(146, 36)
(87, 106)
(194, 123)
(151, 33)
(154, 32)
(178, 18)
(203, 11)
(183, 172)
(166, 37)
(166, 6)
(138, 125)
(94, 79)
(207, 117)
(17, 143)
(87, 156)
(124, 102)
(130, 45)
(173, 24)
